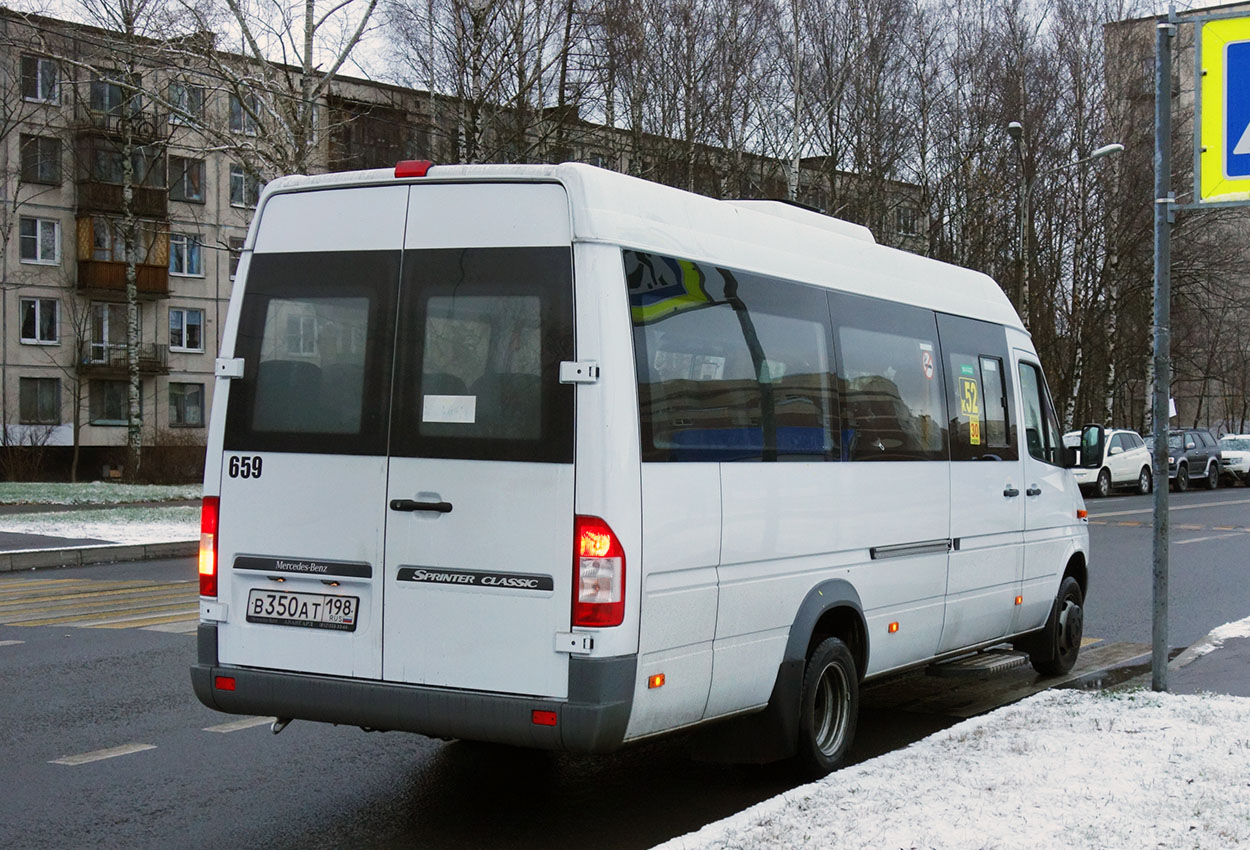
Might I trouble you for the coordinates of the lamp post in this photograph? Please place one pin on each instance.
(1016, 130)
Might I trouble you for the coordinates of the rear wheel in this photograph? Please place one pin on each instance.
(1102, 488)
(829, 708)
(1056, 650)
(1144, 481)
(1213, 476)
(1182, 478)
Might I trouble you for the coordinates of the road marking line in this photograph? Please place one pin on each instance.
(187, 616)
(1202, 539)
(1089, 640)
(180, 627)
(11, 642)
(1176, 508)
(236, 725)
(107, 603)
(87, 619)
(99, 755)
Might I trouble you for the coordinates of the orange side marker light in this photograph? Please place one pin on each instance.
(656, 681)
(1019, 600)
(1082, 514)
(893, 628)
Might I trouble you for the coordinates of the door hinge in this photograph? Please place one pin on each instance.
(579, 372)
(575, 643)
(229, 367)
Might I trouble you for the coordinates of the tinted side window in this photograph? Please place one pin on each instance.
(481, 336)
(731, 366)
(315, 337)
(1207, 439)
(979, 389)
(891, 379)
(1041, 429)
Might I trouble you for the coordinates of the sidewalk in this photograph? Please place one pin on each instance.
(25, 551)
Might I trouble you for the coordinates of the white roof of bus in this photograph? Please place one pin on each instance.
(786, 242)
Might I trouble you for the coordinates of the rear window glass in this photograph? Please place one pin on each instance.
(314, 335)
(481, 338)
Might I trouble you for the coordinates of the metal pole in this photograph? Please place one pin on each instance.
(1162, 344)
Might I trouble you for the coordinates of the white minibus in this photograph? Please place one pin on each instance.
(555, 457)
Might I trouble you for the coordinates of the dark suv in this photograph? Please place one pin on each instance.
(1193, 455)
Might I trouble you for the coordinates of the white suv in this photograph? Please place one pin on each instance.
(1125, 463)
(1235, 455)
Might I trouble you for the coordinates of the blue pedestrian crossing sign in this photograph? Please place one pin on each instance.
(1224, 121)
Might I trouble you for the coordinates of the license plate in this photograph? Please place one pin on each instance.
(312, 610)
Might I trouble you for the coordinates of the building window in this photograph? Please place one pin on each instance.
(108, 333)
(40, 79)
(186, 405)
(907, 220)
(243, 112)
(244, 188)
(185, 257)
(40, 240)
(39, 320)
(106, 164)
(39, 401)
(186, 103)
(41, 159)
(186, 329)
(186, 179)
(236, 252)
(109, 92)
(108, 402)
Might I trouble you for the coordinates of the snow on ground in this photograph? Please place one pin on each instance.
(1214, 640)
(93, 493)
(1065, 768)
(120, 524)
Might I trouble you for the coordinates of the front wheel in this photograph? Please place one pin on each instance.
(1060, 642)
(1213, 476)
(829, 709)
(1182, 479)
(1145, 482)
(1102, 488)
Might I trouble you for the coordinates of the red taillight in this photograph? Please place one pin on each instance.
(208, 546)
(543, 718)
(412, 167)
(598, 574)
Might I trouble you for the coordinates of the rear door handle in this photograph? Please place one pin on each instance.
(413, 505)
(1010, 492)
(1033, 491)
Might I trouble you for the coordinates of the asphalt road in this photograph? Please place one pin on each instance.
(185, 781)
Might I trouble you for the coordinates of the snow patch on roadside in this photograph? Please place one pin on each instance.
(1213, 641)
(1061, 769)
(116, 525)
(93, 493)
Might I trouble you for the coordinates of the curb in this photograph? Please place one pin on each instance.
(82, 556)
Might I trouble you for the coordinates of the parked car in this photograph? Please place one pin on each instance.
(1193, 455)
(1235, 457)
(1125, 462)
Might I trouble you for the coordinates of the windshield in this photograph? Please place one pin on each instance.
(1174, 441)
(1241, 444)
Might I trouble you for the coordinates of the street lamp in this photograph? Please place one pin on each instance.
(1016, 131)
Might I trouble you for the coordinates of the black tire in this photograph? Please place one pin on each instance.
(1054, 653)
(829, 708)
(1213, 476)
(1182, 478)
(1145, 482)
(1102, 487)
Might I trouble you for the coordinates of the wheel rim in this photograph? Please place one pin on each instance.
(1182, 478)
(1071, 625)
(1143, 481)
(1213, 477)
(831, 712)
(1104, 484)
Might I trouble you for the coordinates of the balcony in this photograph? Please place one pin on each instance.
(105, 276)
(102, 360)
(146, 202)
(144, 127)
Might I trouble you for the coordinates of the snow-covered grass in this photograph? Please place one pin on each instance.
(93, 493)
(120, 524)
(1062, 769)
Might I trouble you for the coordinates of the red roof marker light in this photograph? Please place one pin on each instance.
(412, 167)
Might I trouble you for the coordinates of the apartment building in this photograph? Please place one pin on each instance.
(79, 98)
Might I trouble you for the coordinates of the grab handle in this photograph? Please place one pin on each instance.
(413, 505)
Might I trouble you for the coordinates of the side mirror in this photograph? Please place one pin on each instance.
(1115, 450)
(1092, 439)
(1189, 445)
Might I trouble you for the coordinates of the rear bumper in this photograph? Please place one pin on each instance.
(592, 720)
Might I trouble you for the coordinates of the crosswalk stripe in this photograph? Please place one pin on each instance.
(187, 616)
(178, 627)
(237, 725)
(93, 617)
(103, 589)
(12, 609)
(98, 755)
